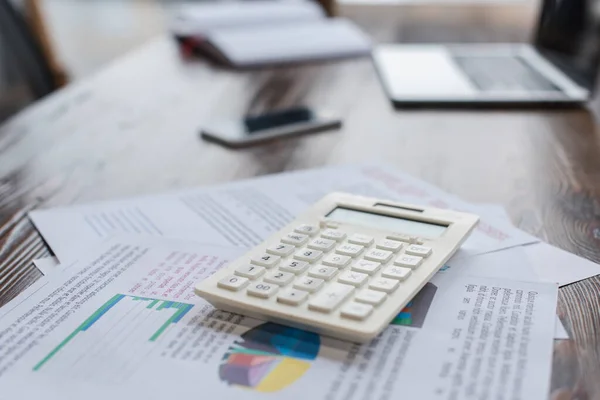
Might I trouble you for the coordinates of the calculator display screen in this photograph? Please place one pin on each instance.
(387, 222)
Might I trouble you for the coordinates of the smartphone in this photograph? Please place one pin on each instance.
(258, 129)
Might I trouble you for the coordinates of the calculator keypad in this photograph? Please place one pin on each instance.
(330, 270)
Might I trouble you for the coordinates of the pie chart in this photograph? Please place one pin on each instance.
(269, 357)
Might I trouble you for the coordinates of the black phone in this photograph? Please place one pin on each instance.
(258, 129)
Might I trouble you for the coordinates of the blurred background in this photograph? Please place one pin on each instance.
(54, 42)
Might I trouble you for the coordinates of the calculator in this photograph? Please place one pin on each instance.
(345, 268)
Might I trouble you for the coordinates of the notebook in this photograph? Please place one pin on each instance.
(257, 33)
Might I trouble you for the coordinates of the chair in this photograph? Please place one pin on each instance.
(27, 72)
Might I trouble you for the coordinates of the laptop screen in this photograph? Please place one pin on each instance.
(569, 36)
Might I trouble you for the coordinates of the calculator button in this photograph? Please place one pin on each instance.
(356, 311)
(407, 261)
(321, 244)
(233, 283)
(308, 255)
(336, 260)
(391, 245)
(292, 297)
(416, 250)
(363, 240)
(399, 273)
(381, 256)
(348, 249)
(265, 260)
(305, 229)
(279, 278)
(297, 239)
(261, 289)
(353, 278)
(294, 266)
(333, 234)
(330, 298)
(399, 237)
(384, 284)
(249, 271)
(309, 284)
(281, 249)
(366, 267)
(322, 272)
(372, 297)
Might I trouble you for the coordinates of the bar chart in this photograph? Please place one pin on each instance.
(124, 329)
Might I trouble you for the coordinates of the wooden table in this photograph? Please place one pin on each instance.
(133, 129)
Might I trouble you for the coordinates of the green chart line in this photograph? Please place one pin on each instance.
(182, 309)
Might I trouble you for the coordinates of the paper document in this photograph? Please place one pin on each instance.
(245, 213)
(124, 322)
(46, 265)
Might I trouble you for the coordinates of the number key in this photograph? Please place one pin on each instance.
(281, 249)
(309, 284)
(279, 278)
(233, 283)
(265, 260)
(308, 255)
(261, 289)
(249, 271)
(322, 272)
(336, 260)
(294, 266)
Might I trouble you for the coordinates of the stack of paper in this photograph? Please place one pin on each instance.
(252, 33)
(118, 316)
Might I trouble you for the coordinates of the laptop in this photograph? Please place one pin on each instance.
(559, 68)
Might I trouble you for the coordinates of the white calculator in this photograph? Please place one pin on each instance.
(345, 268)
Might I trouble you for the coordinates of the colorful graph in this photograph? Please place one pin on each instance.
(269, 357)
(124, 325)
(416, 310)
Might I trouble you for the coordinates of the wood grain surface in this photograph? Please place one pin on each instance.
(133, 129)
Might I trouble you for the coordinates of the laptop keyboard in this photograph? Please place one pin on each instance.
(503, 74)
